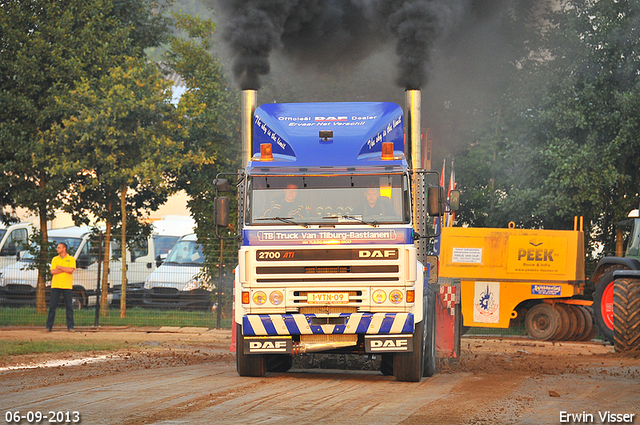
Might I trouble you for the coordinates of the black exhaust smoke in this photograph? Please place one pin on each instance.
(330, 33)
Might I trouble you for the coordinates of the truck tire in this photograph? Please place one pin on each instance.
(603, 303)
(279, 363)
(248, 364)
(429, 368)
(626, 311)
(409, 367)
(542, 321)
(386, 364)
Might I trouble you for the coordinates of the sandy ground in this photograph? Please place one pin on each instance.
(187, 375)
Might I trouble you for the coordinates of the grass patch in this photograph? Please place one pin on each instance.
(14, 348)
(136, 316)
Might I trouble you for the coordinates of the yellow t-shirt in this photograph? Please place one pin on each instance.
(62, 280)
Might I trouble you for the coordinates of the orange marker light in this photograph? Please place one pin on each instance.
(266, 152)
(411, 296)
(245, 298)
(387, 150)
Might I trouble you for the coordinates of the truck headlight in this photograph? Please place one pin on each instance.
(259, 297)
(379, 296)
(147, 284)
(276, 297)
(395, 296)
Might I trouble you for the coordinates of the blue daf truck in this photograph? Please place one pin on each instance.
(332, 256)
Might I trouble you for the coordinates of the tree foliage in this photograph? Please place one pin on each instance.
(46, 48)
(213, 143)
(563, 143)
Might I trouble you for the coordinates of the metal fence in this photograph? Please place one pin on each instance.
(181, 288)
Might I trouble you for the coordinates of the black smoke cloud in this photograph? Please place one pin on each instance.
(329, 33)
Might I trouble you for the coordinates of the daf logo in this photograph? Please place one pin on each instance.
(389, 343)
(267, 345)
(378, 253)
(332, 118)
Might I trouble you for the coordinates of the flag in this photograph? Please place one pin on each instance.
(437, 221)
(452, 185)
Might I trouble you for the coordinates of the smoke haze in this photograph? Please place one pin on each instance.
(329, 33)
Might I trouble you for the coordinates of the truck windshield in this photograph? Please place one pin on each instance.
(328, 199)
(2, 232)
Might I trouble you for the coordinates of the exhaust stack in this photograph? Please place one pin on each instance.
(413, 148)
(249, 105)
(413, 153)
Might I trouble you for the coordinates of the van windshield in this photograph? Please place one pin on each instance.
(186, 253)
(2, 232)
(72, 246)
(328, 199)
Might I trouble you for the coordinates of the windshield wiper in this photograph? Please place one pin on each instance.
(353, 217)
(288, 220)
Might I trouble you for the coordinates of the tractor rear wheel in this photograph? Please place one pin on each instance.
(603, 303)
(626, 312)
(542, 321)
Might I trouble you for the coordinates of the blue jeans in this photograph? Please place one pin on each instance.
(53, 304)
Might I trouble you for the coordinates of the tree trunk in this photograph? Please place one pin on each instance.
(41, 302)
(106, 260)
(123, 250)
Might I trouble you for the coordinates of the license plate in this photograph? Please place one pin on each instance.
(328, 298)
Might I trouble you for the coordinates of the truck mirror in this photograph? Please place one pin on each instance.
(435, 200)
(454, 200)
(222, 211)
(222, 185)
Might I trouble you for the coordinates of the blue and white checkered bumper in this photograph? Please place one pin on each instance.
(300, 324)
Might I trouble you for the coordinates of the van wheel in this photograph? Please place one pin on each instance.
(77, 301)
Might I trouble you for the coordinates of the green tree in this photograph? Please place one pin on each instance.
(566, 139)
(125, 139)
(213, 142)
(45, 49)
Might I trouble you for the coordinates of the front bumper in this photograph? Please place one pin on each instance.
(326, 324)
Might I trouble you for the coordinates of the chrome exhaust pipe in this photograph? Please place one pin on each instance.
(314, 347)
(414, 143)
(413, 153)
(249, 105)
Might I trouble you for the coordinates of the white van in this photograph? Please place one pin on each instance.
(150, 255)
(179, 282)
(14, 239)
(18, 282)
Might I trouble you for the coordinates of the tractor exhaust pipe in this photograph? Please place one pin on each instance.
(249, 105)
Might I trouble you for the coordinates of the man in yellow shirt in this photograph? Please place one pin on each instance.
(62, 268)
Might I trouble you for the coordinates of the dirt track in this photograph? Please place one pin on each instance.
(189, 377)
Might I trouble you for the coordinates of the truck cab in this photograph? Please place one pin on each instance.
(327, 259)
